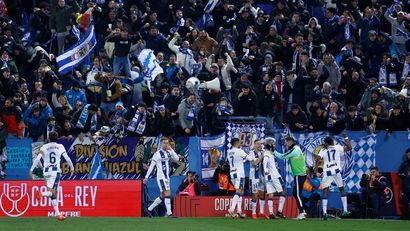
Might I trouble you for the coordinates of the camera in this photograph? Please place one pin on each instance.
(365, 177)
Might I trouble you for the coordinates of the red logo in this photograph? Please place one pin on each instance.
(14, 201)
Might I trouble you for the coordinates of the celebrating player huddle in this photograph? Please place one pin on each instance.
(266, 181)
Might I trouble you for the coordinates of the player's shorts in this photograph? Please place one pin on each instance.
(256, 185)
(163, 184)
(238, 183)
(273, 185)
(52, 179)
(329, 179)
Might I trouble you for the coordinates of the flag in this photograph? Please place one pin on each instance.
(207, 20)
(77, 53)
(150, 66)
(212, 152)
(3, 8)
(96, 171)
(354, 163)
(76, 32)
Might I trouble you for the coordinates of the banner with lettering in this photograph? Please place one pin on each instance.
(246, 133)
(18, 157)
(114, 158)
(212, 151)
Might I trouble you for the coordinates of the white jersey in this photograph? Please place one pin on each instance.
(269, 165)
(161, 160)
(236, 157)
(331, 159)
(256, 172)
(51, 154)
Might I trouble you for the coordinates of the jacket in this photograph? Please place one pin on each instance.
(115, 88)
(210, 44)
(225, 71)
(186, 59)
(73, 96)
(62, 15)
(184, 109)
(11, 117)
(398, 30)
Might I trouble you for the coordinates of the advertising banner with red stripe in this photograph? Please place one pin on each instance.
(75, 198)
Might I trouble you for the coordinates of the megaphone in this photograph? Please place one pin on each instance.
(214, 84)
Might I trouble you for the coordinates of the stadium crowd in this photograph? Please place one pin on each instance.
(310, 65)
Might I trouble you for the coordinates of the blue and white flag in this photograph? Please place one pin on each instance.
(207, 20)
(76, 32)
(354, 163)
(96, 169)
(77, 53)
(150, 66)
(212, 152)
(246, 133)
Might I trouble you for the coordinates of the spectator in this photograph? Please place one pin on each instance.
(154, 39)
(354, 121)
(75, 94)
(377, 118)
(373, 192)
(296, 119)
(221, 109)
(187, 114)
(329, 68)
(245, 102)
(123, 43)
(318, 119)
(185, 56)
(398, 120)
(336, 119)
(36, 124)
(60, 16)
(85, 120)
(8, 83)
(190, 185)
(398, 29)
(404, 173)
(140, 122)
(10, 116)
(110, 91)
(269, 106)
(163, 122)
(205, 41)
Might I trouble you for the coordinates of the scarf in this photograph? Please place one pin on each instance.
(191, 113)
(138, 123)
(332, 116)
(387, 78)
(186, 51)
(406, 71)
(223, 110)
(83, 119)
(180, 22)
(50, 128)
(347, 31)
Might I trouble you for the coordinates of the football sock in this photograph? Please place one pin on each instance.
(253, 205)
(270, 206)
(155, 203)
(344, 202)
(55, 207)
(47, 194)
(168, 205)
(240, 204)
(234, 202)
(324, 205)
(282, 200)
(261, 206)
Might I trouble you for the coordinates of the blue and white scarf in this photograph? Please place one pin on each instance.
(83, 119)
(191, 113)
(347, 31)
(223, 110)
(138, 123)
(186, 51)
(180, 22)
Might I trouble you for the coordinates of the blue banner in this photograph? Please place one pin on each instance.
(212, 151)
(19, 157)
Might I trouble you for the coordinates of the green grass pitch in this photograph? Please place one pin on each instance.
(206, 224)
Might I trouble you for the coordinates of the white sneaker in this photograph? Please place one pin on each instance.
(301, 216)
